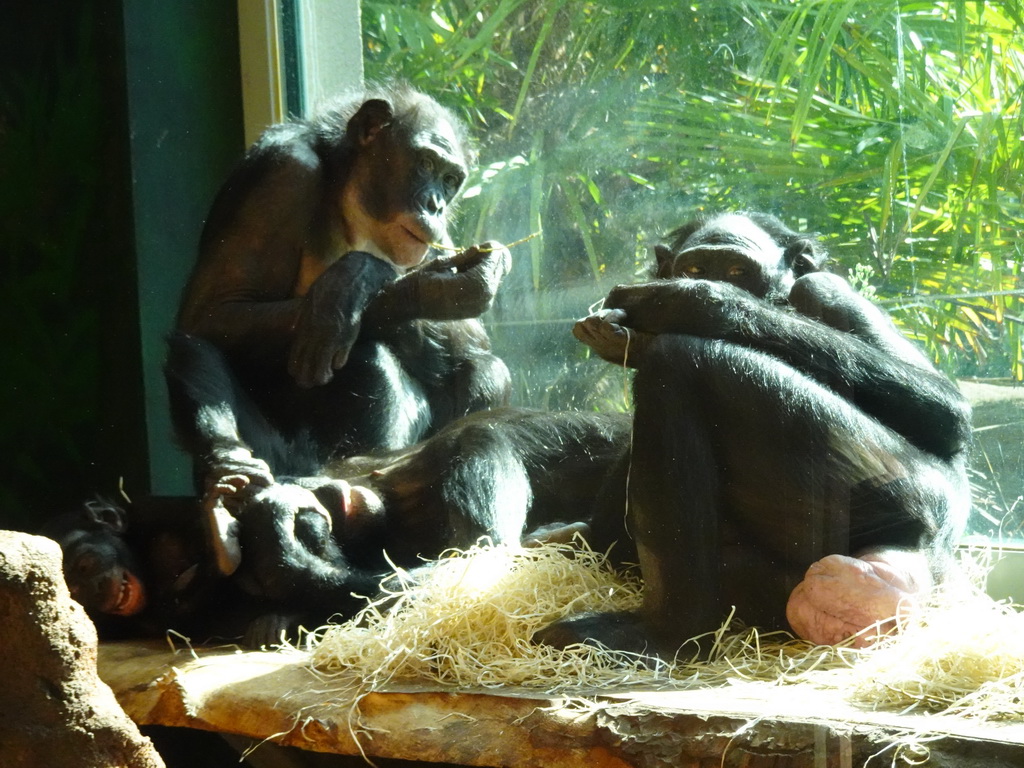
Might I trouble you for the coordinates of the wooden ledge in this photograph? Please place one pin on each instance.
(274, 696)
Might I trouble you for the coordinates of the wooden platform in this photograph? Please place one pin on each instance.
(275, 696)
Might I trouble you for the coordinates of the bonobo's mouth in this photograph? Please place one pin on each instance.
(418, 236)
(128, 598)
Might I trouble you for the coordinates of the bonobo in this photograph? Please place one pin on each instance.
(336, 339)
(789, 445)
(140, 569)
(313, 545)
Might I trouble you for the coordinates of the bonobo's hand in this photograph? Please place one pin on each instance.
(233, 471)
(860, 597)
(232, 476)
(469, 280)
(328, 323)
(698, 307)
(449, 288)
(607, 333)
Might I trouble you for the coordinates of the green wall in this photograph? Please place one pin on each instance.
(185, 120)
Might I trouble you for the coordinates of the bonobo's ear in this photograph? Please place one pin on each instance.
(804, 256)
(665, 258)
(106, 515)
(372, 116)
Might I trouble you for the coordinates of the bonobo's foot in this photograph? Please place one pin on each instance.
(617, 631)
(357, 511)
(866, 597)
(605, 332)
(555, 533)
(271, 629)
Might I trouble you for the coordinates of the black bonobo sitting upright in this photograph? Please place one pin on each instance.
(335, 343)
(789, 445)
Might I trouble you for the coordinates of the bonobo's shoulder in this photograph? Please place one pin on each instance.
(287, 144)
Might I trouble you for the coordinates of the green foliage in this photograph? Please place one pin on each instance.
(894, 128)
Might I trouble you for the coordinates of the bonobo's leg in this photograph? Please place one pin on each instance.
(800, 475)
(745, 472)
(485, 490)
(467, 482)
(462, 376)
(371, 404)
(210, 413)
(480, 383)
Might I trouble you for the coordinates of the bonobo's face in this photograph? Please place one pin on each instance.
(410, 175)
(99, 571)
(731, 248)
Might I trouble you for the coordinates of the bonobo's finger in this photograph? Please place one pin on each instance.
(228, 485)
(610, 315)
(467, 259)
(600, 327)
(232, 470)
(584, 329)
(309, 366)
(501, 256)
(340, 358)
(441, 264)
(222, 534)
(492, 254)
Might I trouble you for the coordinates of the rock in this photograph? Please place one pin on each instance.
(54, 709)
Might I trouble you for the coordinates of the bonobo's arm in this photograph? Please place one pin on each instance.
(869, 365)
(241, 294)
(455, 287)
(331, 314)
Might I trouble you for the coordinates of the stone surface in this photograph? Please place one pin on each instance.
(54, 709)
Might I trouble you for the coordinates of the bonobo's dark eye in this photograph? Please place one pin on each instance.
(85, 565)
(693, 270)
(427, 163)
(452, 181)
(737, 271)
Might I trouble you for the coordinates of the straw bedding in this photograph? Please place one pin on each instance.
(467, 621)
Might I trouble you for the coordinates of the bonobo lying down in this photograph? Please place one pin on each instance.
(311, 546)
(507, 475)
(792, 454)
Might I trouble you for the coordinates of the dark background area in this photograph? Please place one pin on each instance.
(117, 122)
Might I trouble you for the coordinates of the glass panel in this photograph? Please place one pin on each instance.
(892, 128)
(290, 33)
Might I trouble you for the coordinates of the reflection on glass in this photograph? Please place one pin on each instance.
(896, 131)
